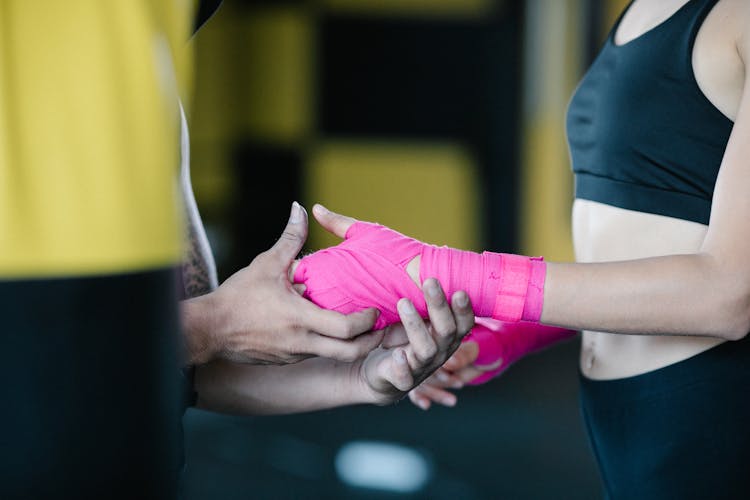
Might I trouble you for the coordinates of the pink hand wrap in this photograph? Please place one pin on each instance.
(368, 269)
(509, 342)
(503, 286)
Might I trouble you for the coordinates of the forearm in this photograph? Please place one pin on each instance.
(312, 384)
(702, 294)
(198, 276)
(197, 270)
(696, 294)
(198, 312)
(705, 294)
(197, 309)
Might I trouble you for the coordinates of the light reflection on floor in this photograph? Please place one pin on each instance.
(382, 466)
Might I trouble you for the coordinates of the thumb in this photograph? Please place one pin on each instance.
(290, 243)
(332, 222)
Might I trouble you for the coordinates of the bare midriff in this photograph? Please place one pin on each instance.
(603, 233)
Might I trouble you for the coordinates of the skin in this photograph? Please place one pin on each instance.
(198, 269)
(241, 319)
(384, 376)
(258, 347)
(648, 291)
(272, 381)
(257, 344)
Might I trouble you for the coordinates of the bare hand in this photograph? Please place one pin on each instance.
(389, 373)
(256, 316)
(454, 374)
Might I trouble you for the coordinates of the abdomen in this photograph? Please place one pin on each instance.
(603, 233)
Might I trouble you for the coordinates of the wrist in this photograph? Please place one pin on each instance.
(516, 286)
(503, 286)
(358, 390)
(367, 387)
(201, 328)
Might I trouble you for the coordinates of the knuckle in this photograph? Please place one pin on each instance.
(291, 236)
(350, 354)
(413, 322)
(349, 329)
(444, 329)
(427, 352)
(437, 301)
(289, 358)
(262, 256)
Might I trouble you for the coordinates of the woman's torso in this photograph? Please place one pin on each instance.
(603, 232)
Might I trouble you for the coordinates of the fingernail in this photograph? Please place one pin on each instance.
(401, 358)
(321, 209)
(442, 377)
(462, 300)
(406, 307)
(295, 217)
(432, 288)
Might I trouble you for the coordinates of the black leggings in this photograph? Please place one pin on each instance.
(679, 432)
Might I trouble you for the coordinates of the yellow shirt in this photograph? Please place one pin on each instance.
(89, 134)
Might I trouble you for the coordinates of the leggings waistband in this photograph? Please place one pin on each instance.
(728, 359)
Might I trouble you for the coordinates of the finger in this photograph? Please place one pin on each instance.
(491, 367)
(299, 288)
(292, 270)
(395, 336)
(422, 346)
(290, 243)
(463, 312)
(469, 373)
(437, 395)
(332, 222)
(343, 350)
(333, 323)
(440, 313)
(445, 378)
(437, 378)
(464, 356)
(399, 375)
(418, 400)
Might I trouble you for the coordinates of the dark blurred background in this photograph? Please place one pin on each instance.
(443, 119)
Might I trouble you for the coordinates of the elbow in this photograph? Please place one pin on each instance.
(734, 323)
(738, 333)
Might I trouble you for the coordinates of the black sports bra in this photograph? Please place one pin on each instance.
(641, 133)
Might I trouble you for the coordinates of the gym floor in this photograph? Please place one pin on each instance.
(521, 436)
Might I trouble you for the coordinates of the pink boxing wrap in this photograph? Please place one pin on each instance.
(503, 286)
(509, 342)
(368, 269)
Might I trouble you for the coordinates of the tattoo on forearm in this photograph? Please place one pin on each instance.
(198, 268)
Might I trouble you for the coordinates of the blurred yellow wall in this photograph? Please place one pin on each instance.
(425, 190)
(255, 77)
